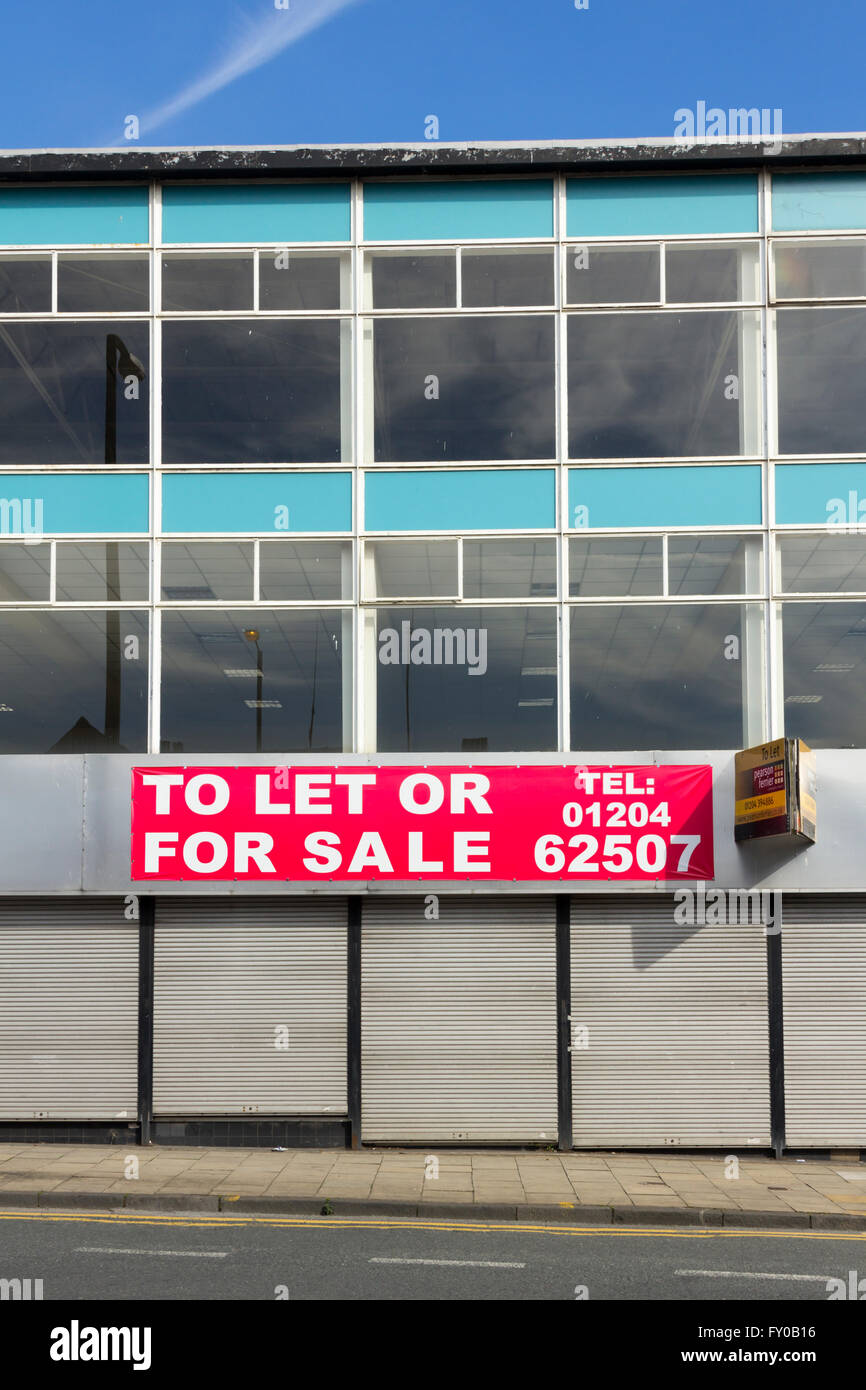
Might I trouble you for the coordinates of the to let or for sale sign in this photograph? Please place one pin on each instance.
(351, 823)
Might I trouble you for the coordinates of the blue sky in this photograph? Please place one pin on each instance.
(373, 70)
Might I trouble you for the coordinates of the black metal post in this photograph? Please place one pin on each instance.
(146, 918)
(776, 1025)
(563, 1021)
(353, 1040)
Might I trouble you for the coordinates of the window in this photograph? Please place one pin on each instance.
(820, 269)
(811, 564)
(305, 570)
(102, 571)
(604, 567)
(255, 680)
(822, 408)
(411, 569)
(74, 393)
(507, 279)
(252, 391)
(25, 284)
(207, 571)
(824, 654)
(73, 682)
(93, 284)
(665, 676)
(450, 389)
(465, 679)
(658, 385)
(25, 572)
(411, 280)
(200, 283)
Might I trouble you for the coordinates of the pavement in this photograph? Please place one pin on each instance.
(508, 1184)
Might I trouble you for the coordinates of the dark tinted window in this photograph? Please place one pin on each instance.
(406, 281)
(466, 679)
(54, 393)
(506, 278)
(102, 570)
(25, 285)
(73, 682)
(822, 405)
(464, 388)
(292, 280)
(824, 651)
(251, 392)
(650, 385)
(201, 283)
(102, 284)
(210, 683)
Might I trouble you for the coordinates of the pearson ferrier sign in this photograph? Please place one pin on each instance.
(354, 823)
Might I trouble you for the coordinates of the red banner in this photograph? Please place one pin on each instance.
(351, 823)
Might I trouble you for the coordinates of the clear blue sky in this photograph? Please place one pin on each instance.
(372, 70)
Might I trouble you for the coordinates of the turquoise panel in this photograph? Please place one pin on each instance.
(814, 202)
(73, 216)
(820, 492)
(719, 495)
(257, 502)
(70, 503)
(256, 212)
(469, 499)
(458, 209)
(683, 205)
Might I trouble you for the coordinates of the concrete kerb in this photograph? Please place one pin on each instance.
(229, 1204)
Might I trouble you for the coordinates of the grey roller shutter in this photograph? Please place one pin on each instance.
(677, 1028)
(459, 1020)
(68, 1009)
(229, 973)
(824, 1000)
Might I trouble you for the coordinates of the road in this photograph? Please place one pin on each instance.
(179, 1257)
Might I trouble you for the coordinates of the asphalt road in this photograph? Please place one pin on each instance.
(182, 1257)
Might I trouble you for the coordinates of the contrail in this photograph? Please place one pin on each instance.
(262, 41)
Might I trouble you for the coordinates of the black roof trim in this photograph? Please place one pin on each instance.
(552, 156)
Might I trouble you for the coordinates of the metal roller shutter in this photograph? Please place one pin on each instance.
(824, 1001)
(459, 1020)
(677, 1050)
(230, 972)
(68, 1009)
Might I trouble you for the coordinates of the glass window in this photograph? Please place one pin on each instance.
(207, 571)
(509, 568)
(103, 284)
(602, 567)
(813, 564)
(824, 658)
(73, 682)
(302, 570)
(25, 284)
(820, 269)
(465, 679)
(57, 402)
(410, 569)
(302, 280)
(100, 571)
(822, 406)
(613, 275)
(25, 572)
(252, 391)
(663, 385)
(268, 680)
(412, 280)
(449, 389)
(715, 565)
(201, 283)
(664, 676)
(704, 274)
(509, 279)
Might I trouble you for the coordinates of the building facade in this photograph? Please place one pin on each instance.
(526, 457)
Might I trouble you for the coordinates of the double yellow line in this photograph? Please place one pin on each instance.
(337, 1223)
